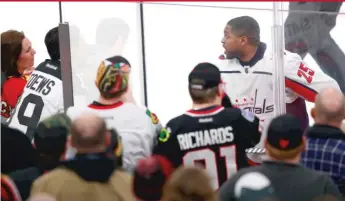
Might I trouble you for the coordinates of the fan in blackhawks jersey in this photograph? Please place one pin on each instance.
(138, 127)
(209, 134)
(42, 96)
(247, 69)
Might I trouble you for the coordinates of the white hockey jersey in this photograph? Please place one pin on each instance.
(42, 97)
(138, 128)
(250, 84)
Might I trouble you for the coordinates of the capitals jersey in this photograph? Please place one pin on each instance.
(138, 127)
(214, 137)
(250, 84)
(41, 98)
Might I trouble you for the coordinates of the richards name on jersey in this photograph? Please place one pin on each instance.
(205, 138)
(40, 84)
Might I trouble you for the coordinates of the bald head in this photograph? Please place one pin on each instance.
(88, 131)
(329, 106)
(42, 197)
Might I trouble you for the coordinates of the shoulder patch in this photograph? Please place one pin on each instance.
(164, 135)
(248, 115)
(152, 116)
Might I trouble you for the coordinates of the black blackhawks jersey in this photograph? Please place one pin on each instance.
(41, 98)
(215, 137)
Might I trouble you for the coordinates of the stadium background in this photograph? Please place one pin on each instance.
(165, 40)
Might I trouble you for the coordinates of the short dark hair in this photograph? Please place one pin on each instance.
(202, 96)
(52, 43)
(11, 47)
(246, 26)
(114, 27)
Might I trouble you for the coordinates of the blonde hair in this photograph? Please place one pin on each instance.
(189, 184)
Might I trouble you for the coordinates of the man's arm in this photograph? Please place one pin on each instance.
(248, 124)
(303, 79)
(167, 145)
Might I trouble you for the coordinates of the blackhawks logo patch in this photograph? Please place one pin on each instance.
(153, 116)
(163, 135)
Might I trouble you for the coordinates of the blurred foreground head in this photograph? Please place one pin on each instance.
(189, 184)
(150, 176)
(42, 197)
(89, 133)
(285, 140)
(329, 108)
(17, 53)
(51, 135)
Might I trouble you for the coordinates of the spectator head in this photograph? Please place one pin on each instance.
(205, 84)
(329, 108)
(189, 184)
(112, 77)
(52, 43)
(150, 176)
(89, 134)
(16, 150)
(42, 197)
(285, 140)
(254, 186)
(17, 53)
(112, 32)
(51, 136)
(239, 34)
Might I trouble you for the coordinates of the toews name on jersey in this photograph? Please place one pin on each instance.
(205, 138)
(40, 84)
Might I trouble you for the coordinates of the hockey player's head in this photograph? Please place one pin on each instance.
(205, 84)
(285, 139)
(112, 77)
(17, 53)
(51, 135)
(240, 34)
(52, 43)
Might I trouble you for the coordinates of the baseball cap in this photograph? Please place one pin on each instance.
(209, 75)
(285, 133)
(112, 75)
(51, 134)
(150, 176)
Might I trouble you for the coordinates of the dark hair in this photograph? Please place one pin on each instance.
(114, 27)
(11, 47)
(246, 26)
(52, 43)
(202, 96)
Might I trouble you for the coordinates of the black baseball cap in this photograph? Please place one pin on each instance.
(209, 75)
(285, 133)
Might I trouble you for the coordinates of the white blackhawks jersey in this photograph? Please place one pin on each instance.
(250, 85)
(138, 128)
(41, 98)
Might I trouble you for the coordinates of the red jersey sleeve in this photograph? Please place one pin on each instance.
(11, 90)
